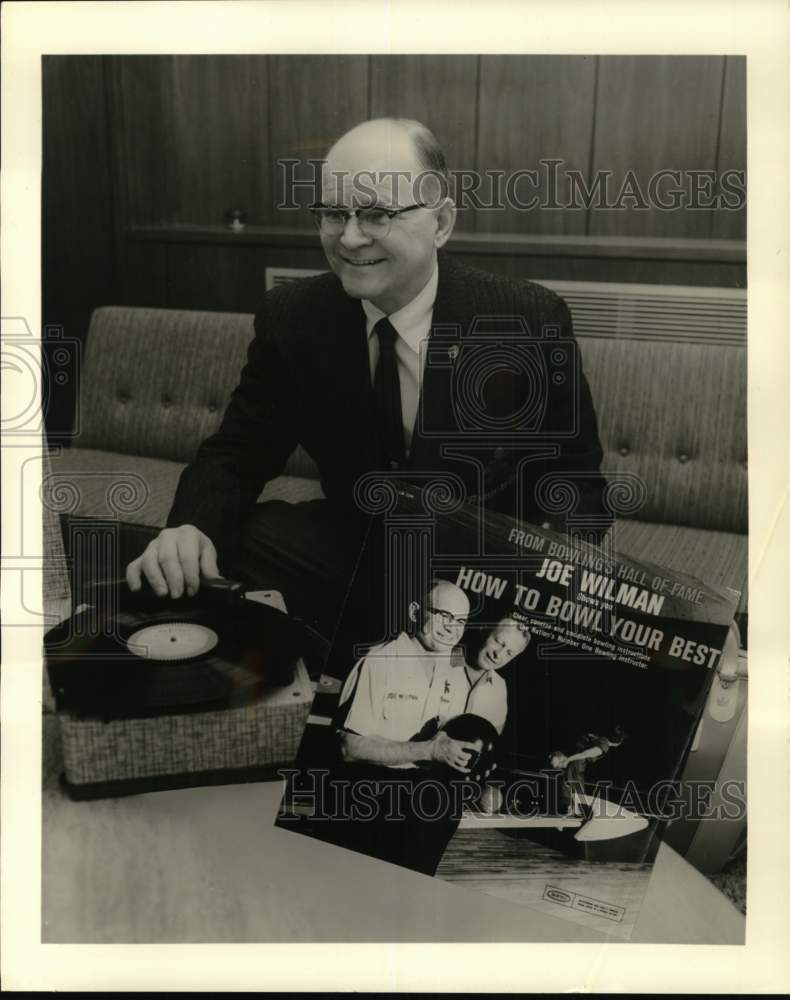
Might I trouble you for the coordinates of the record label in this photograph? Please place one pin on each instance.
(131, 655)
(172, 641)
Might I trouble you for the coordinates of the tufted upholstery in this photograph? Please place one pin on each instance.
(155, 383)
(717, 557)
(674, 414)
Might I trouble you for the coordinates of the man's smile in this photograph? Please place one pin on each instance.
(365, 262)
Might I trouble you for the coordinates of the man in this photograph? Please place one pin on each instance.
(402, 686)
(477, 688)
(392, 696)
(336, 365)
(591, 748)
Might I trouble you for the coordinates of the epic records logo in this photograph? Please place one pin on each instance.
(586, 904)
(558, 895)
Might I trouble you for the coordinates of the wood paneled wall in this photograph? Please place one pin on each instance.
(79, 224)
(201, 134)
(533, 109)
(143, 155)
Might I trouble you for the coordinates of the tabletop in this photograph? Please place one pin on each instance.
(208, 865)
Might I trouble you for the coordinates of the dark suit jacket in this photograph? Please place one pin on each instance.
(502, 382)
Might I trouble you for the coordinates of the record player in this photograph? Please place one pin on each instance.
(154, 693)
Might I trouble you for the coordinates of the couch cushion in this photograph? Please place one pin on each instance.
(55, 587)
(674, 415)
(140, 490)
(714, 557)
(157, 381)
(91, 483)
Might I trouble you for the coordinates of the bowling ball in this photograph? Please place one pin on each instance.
(470, 728)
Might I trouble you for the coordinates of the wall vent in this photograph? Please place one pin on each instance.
(280, 275)
(650, 312)
(655, 312)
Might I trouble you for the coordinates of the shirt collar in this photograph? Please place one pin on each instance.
(411, 320)
(413, 644)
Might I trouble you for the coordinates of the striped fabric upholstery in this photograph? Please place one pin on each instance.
(674, 415)
(156, 381)
(136, 489)
(56, 590)
(714, 557)
(56, 577)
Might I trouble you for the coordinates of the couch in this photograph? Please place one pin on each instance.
(671, 409)
(155, 383)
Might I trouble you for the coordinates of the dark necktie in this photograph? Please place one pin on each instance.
(386, 392)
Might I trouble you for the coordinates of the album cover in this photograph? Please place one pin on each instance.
(509, 708)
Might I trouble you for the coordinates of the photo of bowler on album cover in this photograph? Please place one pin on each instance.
(513, 717)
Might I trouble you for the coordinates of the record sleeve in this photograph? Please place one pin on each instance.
(573, 677)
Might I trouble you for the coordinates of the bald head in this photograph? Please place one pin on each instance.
(393, 171)
(449, 597)
(401, 146)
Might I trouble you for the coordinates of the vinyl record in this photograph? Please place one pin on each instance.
(136, 655)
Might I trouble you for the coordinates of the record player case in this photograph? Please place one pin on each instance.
(249, 742)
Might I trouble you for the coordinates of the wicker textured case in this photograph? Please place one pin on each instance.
(245, 743)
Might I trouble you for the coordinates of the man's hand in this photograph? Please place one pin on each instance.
(174, 561)
(454, 753)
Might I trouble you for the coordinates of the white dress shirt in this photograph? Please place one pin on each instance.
(413, 323)
(395, 689)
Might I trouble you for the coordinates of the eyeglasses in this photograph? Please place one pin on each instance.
(448, 620)
(375, 222)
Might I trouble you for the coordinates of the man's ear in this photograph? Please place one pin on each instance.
(414, 610)
(445, 222)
